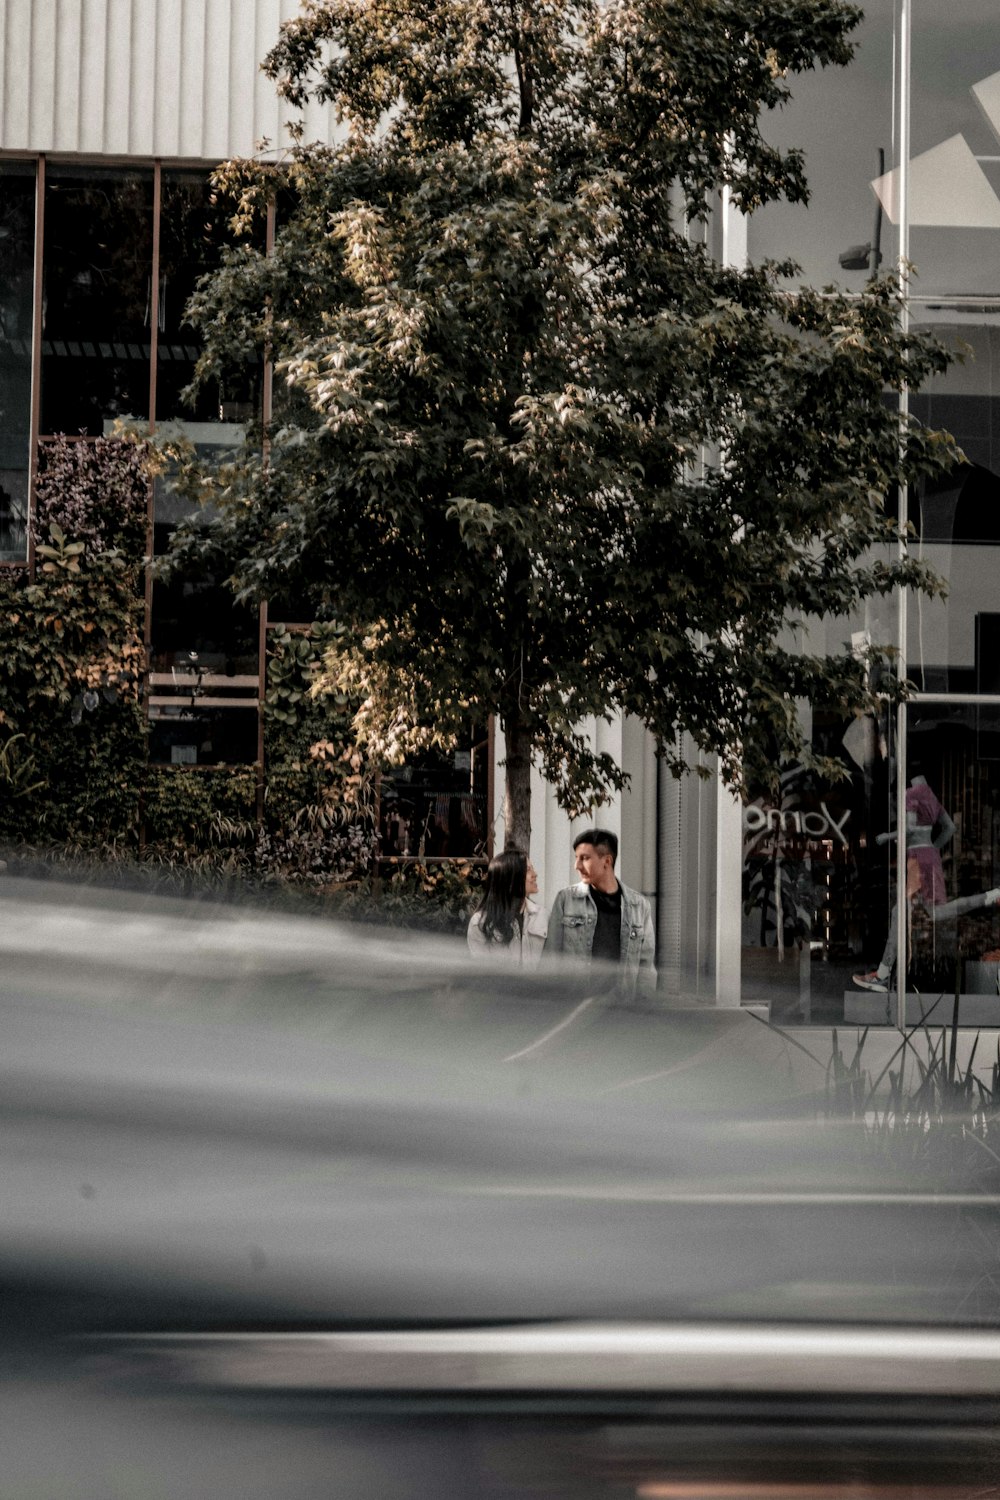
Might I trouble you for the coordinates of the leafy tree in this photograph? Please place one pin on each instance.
(541, 455)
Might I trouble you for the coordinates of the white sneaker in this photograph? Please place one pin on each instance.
(992, 898)
(871, 981)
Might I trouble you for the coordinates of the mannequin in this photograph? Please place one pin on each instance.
(929, 829)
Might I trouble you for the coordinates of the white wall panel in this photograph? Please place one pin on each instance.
(118, 65)
(143, 64)
(168, 78)
(241, 120)
(82, 36)
(198, 106)
(67, 57)
(40, 32)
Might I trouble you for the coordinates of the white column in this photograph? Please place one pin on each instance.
(728, 810)
(728, 895)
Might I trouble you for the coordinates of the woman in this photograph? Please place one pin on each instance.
(509, 926)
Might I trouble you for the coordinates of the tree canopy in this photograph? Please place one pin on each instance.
(541, 454)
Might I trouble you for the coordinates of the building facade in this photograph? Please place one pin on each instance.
(903, 156)
(112, 112)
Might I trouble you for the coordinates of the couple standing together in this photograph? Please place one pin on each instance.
(599, 921)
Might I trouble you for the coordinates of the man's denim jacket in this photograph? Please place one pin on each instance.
(573, 922)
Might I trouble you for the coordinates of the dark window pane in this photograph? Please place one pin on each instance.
(17, 251)
(194, 231)
(202, 737)
(199, 616)
(203, 668)
(98, 288)
(957, 516)
(435, 805)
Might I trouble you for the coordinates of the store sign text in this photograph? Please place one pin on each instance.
(815, 824)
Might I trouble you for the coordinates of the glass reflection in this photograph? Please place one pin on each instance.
(97, 298)
(840, 219)
(954, 186)
(17, 252)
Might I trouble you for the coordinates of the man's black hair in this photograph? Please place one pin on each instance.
(601, 838)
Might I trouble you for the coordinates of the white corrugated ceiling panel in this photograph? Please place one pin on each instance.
(168, 78)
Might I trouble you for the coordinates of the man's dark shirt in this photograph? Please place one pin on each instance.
(608, 933)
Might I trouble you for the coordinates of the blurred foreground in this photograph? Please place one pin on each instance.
(295, 1210)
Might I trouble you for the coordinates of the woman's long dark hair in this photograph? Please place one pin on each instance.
(503, 896)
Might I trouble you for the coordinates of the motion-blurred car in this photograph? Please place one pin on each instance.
(294, 1210)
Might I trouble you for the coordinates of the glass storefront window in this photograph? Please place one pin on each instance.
(97, 298)
(822, 873)
(821, 865)
(840, 164)
(815, 890)
(17, 256)
(950, 878)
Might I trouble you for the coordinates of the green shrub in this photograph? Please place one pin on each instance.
(429, 897)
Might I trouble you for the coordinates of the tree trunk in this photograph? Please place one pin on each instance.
(517, 782)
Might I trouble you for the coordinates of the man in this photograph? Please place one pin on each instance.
(603, 921)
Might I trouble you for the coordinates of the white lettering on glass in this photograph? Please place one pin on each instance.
(814, 824)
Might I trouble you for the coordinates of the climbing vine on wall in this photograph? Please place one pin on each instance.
(96, 491)
(71, 646)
